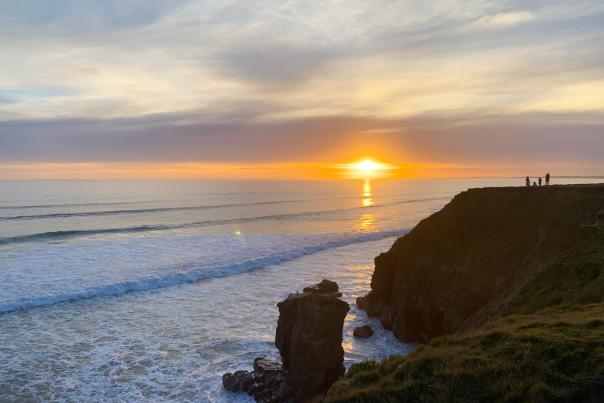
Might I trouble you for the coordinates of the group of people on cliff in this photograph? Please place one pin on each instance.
(547, 178)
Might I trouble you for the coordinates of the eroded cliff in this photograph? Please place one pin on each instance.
(478, 257)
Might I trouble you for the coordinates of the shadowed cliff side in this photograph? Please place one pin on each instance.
(472, 260)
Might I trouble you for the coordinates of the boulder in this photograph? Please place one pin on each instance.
(326, 287)
(363, 332)
(238, 381)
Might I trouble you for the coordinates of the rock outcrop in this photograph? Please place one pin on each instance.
(363, 332)
(267, 382)
(325, 287)
(466, 263)
(309, 340)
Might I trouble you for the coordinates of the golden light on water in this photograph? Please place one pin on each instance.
(366, 221)
(367, 194)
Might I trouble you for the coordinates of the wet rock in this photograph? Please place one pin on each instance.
(238, 381)
(363, 332)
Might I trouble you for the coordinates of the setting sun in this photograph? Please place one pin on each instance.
(366, 168)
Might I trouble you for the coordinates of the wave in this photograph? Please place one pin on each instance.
(36, 206)
(67, 234)
(170, 280)
(138, 211)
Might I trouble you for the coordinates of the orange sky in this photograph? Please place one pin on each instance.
(283, 170)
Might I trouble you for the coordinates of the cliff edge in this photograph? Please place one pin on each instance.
(480, 255)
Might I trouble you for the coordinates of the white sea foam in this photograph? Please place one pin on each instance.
(174, 344)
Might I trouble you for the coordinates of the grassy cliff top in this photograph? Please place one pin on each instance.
(554, 356)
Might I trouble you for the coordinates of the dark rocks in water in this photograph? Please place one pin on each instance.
(309, 339)
(324, 287)
(240, 381)
(267, 382)
(363, 332)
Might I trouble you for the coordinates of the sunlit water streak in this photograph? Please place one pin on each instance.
(203, 299)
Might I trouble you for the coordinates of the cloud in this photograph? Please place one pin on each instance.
(499, 20)
(443, 139)
(186, 80)
(274, 65)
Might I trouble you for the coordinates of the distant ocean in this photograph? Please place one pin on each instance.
(150, 290)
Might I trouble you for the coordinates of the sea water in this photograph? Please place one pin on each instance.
(151, 290)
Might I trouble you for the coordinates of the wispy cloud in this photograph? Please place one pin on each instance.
(500, 20)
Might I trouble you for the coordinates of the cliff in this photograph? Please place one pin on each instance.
(478, 257)
(512, 280)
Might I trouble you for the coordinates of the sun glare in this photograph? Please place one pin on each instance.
(367, 168)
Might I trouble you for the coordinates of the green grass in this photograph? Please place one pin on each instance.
(549, 356)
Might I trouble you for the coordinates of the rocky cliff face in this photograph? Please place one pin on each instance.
(469, 261)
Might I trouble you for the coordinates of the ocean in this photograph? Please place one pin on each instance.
(151, 290)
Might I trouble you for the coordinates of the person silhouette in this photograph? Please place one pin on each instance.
(534, 183)
(528, 181)
(540, 181)
(547, 176)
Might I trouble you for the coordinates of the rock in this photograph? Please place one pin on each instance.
(363, 302)
(600, 219)
(309, 339)
(239, 381)
(262, 365)
(363, 332)
(324, 287)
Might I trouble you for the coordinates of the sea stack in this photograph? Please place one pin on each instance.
(309, 340)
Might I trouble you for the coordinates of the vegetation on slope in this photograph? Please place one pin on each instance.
(555, 356)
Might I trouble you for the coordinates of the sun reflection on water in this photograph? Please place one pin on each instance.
(367, 194)
(366, 220)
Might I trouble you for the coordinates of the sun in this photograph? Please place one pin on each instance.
(367, 167)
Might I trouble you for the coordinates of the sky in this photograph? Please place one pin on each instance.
(97, 89)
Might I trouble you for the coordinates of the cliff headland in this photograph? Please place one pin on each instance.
(506, 287)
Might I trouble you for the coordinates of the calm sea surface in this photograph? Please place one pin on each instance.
(149, 291)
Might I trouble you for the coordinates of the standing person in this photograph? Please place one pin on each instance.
(540, 181)
(528, 181)
(547, 179)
